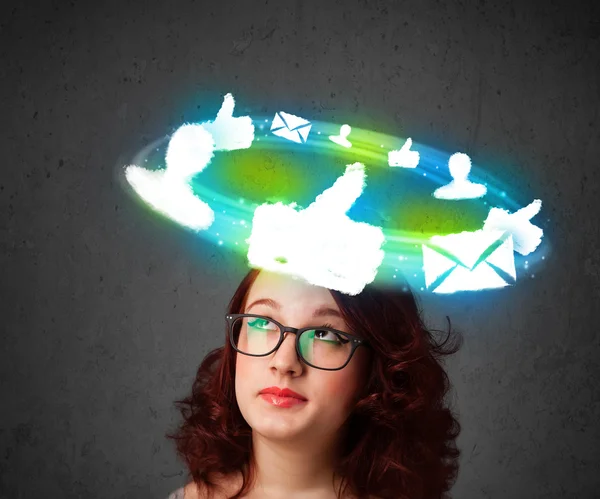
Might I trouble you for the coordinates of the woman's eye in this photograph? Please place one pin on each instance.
(259, 323)
(329, 336)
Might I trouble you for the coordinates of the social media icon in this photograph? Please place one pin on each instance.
(526, 236)
(461, 187)
(190, 150)
(342, 138)
(291, 127)
(404, 157)
(320, 243)
(230, 132)
(168, 191)
(469, 261)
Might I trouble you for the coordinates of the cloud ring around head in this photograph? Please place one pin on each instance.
(225, 219)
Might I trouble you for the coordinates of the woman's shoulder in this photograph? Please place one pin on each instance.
(225, 488)
(191, 491)
(177, 494)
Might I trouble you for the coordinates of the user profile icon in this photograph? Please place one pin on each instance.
(461, 187)
(342, 138)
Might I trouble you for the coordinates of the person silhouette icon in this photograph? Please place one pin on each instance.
(342, 139)
(459, 165)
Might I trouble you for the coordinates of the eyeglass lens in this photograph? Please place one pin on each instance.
(320, 347)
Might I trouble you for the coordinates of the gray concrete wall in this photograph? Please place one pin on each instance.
(107, 311)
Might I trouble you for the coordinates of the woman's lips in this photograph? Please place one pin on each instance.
(282, 392)
(281, 401)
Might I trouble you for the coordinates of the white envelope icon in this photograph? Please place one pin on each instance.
(291, 127)
(469, 261)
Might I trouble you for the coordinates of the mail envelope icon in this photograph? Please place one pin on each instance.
(291, 127)
(469, 261)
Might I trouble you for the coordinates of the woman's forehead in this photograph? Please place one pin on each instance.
(287, 291)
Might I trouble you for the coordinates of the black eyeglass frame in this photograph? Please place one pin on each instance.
(354, 340)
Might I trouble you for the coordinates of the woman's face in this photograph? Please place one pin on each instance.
(330, 395)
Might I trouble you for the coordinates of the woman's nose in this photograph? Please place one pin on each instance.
(285, 357)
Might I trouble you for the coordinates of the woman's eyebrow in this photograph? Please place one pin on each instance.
(325, 311)
(322, 311)
(264, 301)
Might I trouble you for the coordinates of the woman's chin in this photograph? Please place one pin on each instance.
(277, 426)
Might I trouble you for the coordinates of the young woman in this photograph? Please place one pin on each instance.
(319, 394)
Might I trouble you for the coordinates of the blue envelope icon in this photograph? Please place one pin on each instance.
(291, 127)
(469, 261)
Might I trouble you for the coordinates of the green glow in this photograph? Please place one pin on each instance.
(428, 217)
(259, 176)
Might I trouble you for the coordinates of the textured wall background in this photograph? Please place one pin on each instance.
(107, 311)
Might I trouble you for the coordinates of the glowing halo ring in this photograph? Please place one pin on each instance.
(403, 255)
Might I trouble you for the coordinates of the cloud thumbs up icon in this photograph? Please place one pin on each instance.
(404, 157)
(229, 132)
(168, 191)
(320, 244)
(529, 211)
(190, 150)
(526, 236)
(339, 198)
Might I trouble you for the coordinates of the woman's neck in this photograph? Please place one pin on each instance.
(285, 469)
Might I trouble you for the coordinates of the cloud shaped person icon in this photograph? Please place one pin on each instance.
(460, 187)
(342, 138)
(190, 150)
(319, 244)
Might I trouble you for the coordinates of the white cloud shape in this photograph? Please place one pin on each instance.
(190, 150)
(320, 244)
(172, 198)
(404, 157)
(526, 236)
(229, 132)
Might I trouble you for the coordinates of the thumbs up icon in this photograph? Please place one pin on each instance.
(320, 244)
(526, 236)
(190, 150)
(404, 157)
(230, 133)
(167, 191)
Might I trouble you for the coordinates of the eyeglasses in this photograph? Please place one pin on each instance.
(319, 347)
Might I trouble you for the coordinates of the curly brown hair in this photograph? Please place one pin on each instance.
(401, 435)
